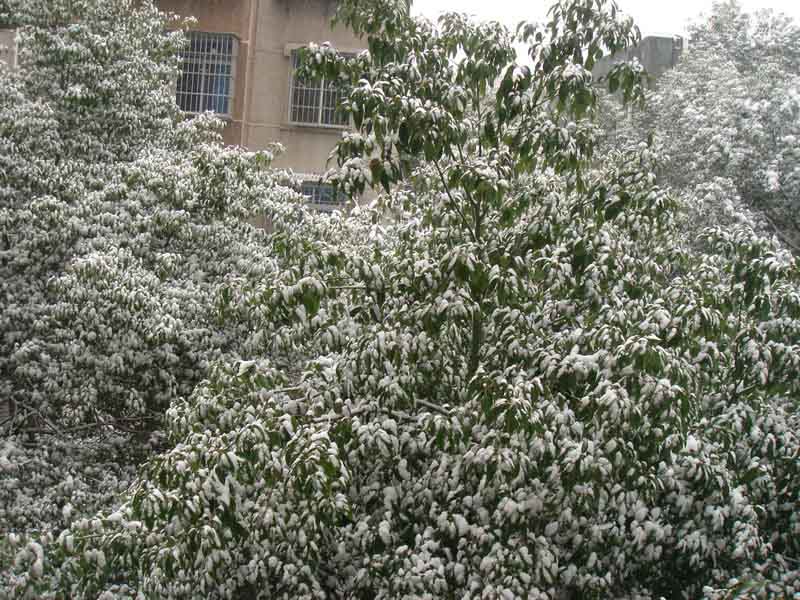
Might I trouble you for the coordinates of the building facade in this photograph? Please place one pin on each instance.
(240, 63)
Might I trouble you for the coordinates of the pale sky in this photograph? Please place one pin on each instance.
(654, 17)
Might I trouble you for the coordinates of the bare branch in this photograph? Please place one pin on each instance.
(433, 407)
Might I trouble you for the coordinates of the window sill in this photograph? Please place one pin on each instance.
(317, 126)
(222, 117)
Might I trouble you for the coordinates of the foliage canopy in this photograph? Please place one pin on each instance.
(531, 382)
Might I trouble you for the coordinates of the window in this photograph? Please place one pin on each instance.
(314, 102)
(207, 72)
(322, 195)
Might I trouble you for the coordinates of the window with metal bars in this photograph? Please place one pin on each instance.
(208, 67)
(322, 195)
(314, 101)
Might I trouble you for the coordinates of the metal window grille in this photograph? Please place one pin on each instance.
(207, 73)
(314, 101)
(322, 194)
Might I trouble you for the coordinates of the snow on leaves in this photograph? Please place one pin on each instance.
(534, 381)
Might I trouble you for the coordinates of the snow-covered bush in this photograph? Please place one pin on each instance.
(631, 430)
(124, 225)
(45, 485)
(125, 246)
(533, 384)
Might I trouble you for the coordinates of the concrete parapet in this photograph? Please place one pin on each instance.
(656, 54)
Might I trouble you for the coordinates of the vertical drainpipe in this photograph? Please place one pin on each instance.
(249, 68)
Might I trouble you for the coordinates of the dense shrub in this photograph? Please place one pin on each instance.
(530, 377)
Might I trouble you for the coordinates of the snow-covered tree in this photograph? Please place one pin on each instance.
(532, 384)
(123, 224)
(728, 115)
(125, 245)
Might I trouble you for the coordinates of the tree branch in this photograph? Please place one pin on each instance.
(453, 201)
(433, 407)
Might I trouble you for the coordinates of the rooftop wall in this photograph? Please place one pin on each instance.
(656, 54)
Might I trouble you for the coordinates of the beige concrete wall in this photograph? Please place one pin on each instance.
(8, 47)
(222, 16)
(281, 26)
(268, 30)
